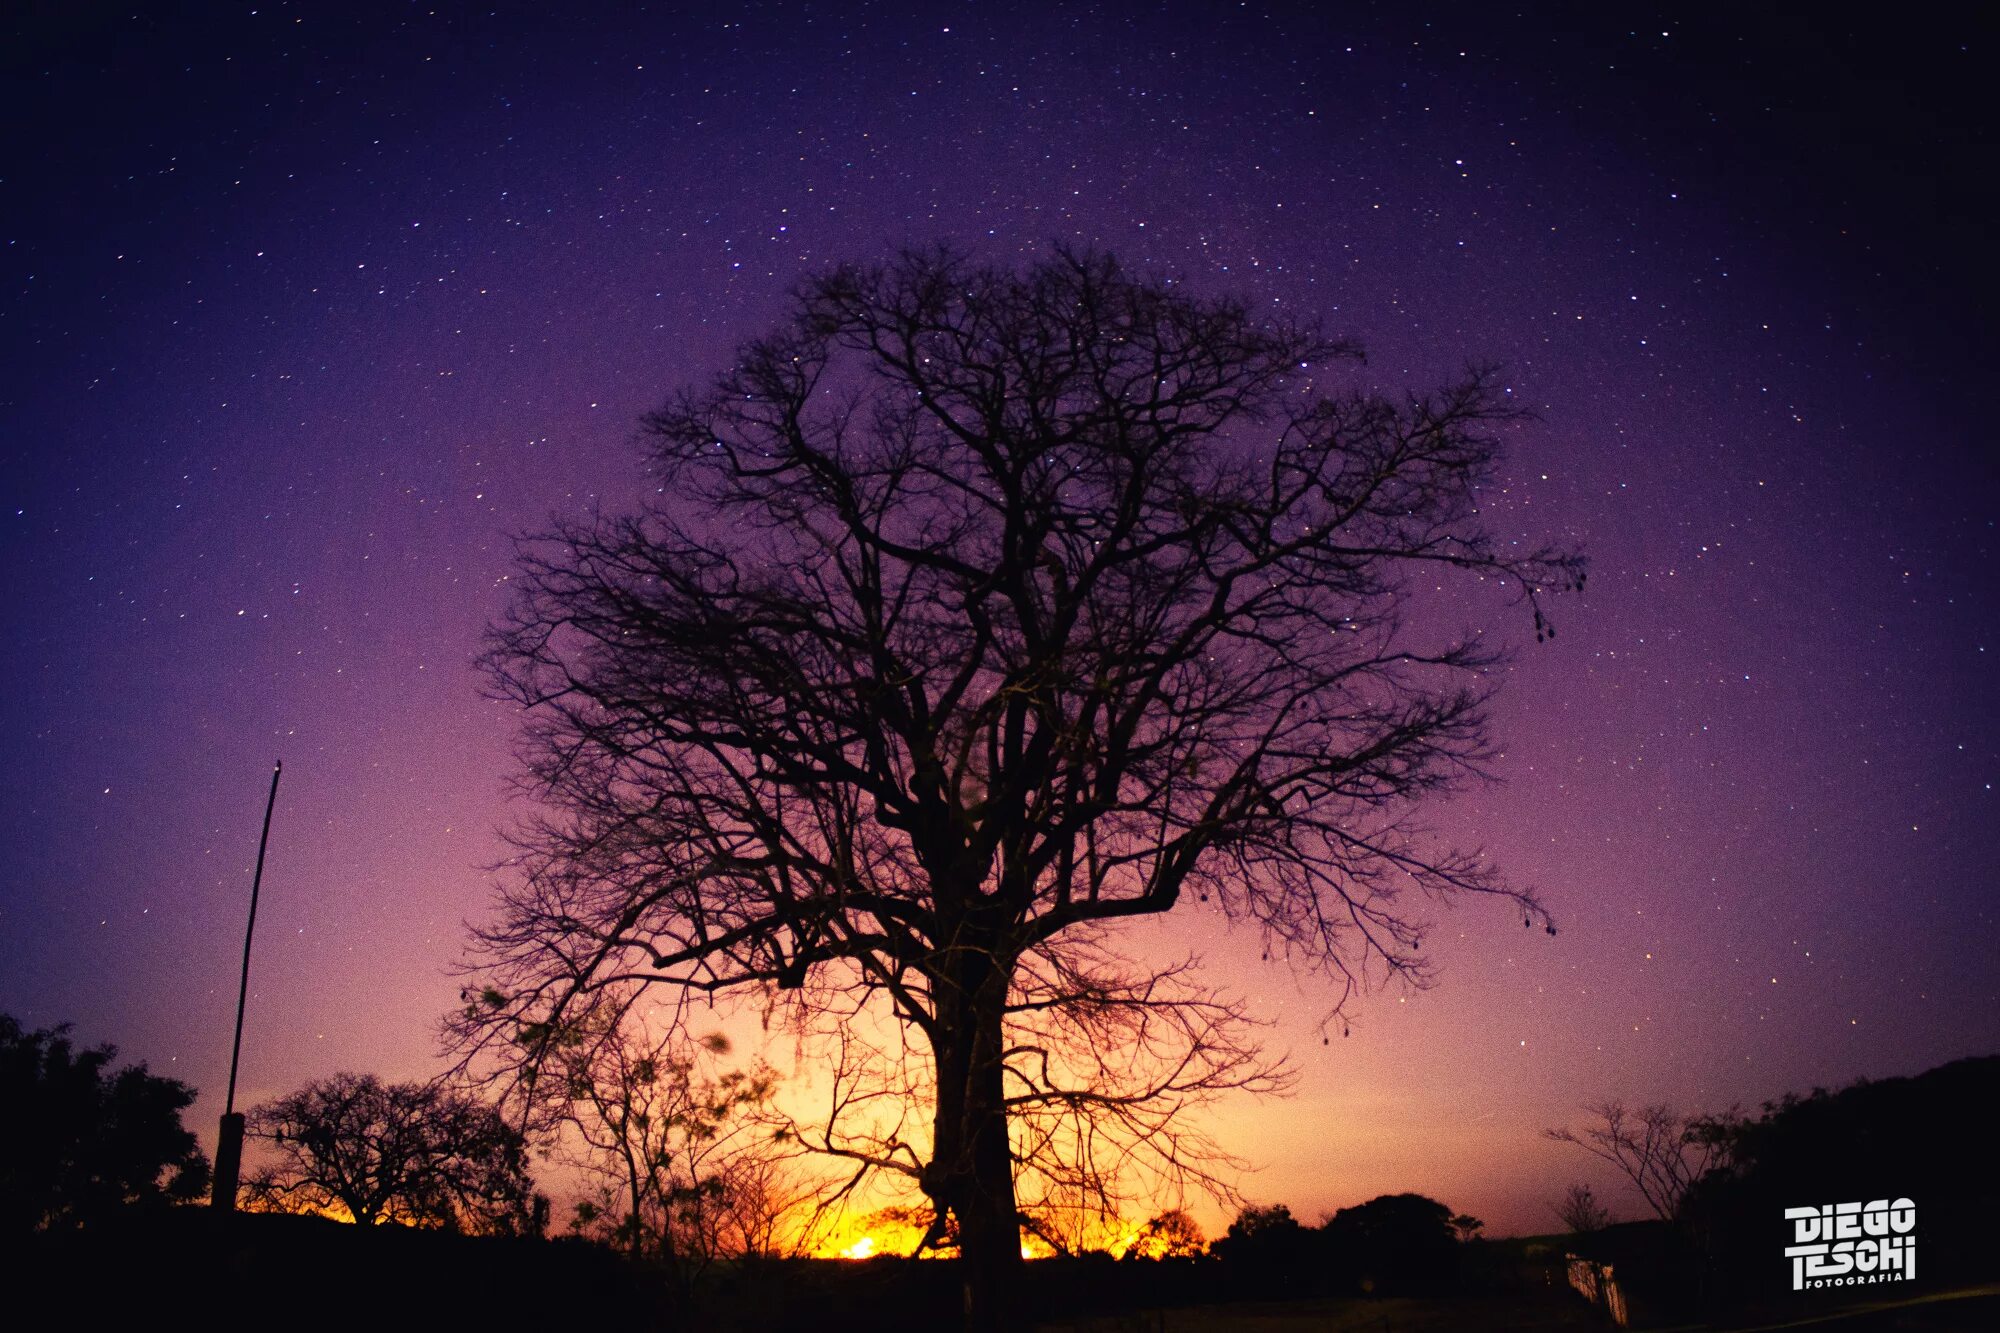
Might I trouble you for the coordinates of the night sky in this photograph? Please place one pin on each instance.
(305, 311)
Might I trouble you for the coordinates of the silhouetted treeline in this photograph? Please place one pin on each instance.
(1402, 1244)
(273, 1271)
(1396, 1244)
(1929, 1138)
(1926, 1138)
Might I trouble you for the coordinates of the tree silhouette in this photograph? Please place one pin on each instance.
(1173, 1234)
(1393, 1243)
(674, 1138)
(419, 1154)
(1268, 1244)
(1661, 1151)
(983, 611)
(85, 1140)
(1580, 1211)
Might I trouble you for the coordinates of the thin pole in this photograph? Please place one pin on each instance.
(249, 932)
(229, 1143)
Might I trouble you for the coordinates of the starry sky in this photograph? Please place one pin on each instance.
(306, 309)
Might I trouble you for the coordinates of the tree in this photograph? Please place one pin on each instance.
(1467, 1227)
(1269, 1244)
(86, 1140)
(418, 1154)
(680, 1145)
(984, 611)
(774, 1209)
(1580, 1212)
(1662, 1152)
(1173, 1234)
(1393, 1243)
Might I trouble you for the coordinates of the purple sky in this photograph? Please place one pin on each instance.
(306, 312)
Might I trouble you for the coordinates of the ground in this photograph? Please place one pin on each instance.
(1969, 1310)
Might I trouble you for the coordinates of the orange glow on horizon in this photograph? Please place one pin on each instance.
(896, 1233)
(867, 1248)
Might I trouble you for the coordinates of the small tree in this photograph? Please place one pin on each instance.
(1580, 1212)
(1662, 1152)
(1467, 1227)
(1254, 1220)
(1173, 1234)
(1264, 1238)
(686, 1158)
(419, 1154)
(83, 1139)
(775, 1206)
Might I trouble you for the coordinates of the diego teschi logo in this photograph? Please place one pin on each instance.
(1852, 1244)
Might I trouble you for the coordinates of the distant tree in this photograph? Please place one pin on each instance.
(1580, 1212)
(418, 1154)
(776, 1207)
(1255, 1220)
(1467, 1226)
(680, 1144)
(984, 612)
(1268, 1245)
(84, 1140)
(1393, 1243)
(1661, 1151)
(1173, 1234)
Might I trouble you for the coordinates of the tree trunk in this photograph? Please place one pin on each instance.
(637, 1216)
(972, 1165)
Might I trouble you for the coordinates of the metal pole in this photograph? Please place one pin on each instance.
(229, 1145)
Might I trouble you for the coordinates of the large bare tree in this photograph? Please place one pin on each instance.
(981, 610)
(414, 1154)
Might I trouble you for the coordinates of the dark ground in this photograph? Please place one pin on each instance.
(190, 1267)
